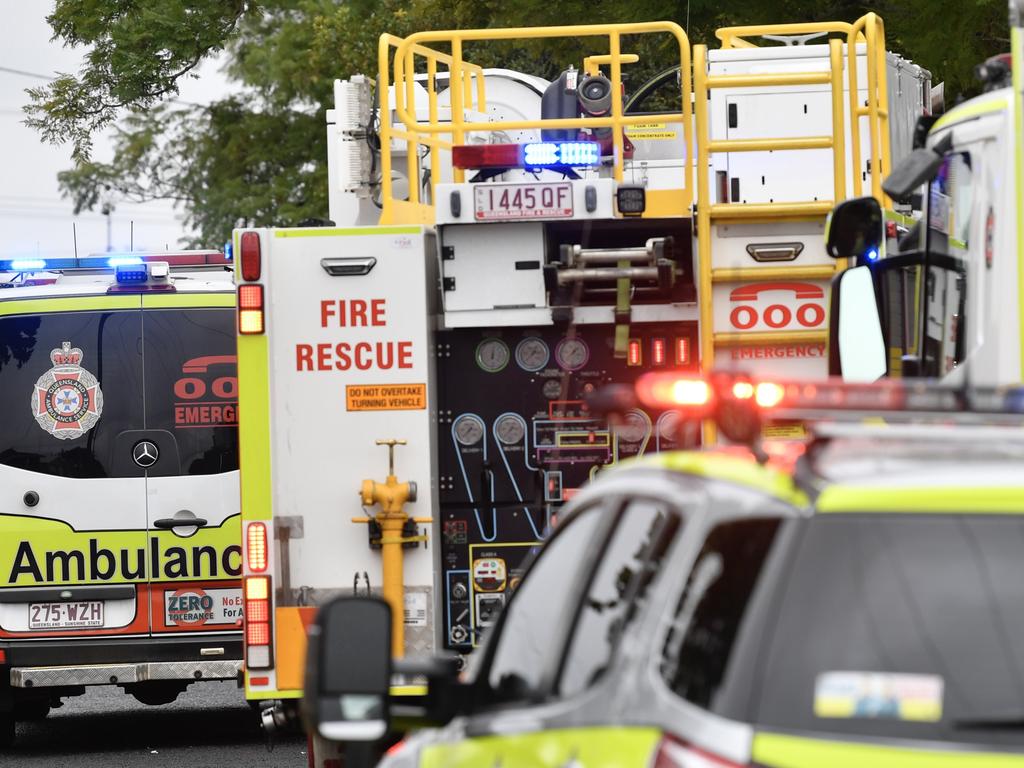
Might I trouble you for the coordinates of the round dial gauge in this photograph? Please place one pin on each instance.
(668, 426)
(552, 389)
(572, 354)
(468, 429)
(492, 355)
(532, 354)
(632, 429)
(510, 429)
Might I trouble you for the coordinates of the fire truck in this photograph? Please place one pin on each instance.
(414, 374)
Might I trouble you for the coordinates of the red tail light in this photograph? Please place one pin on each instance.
(257, 622)
(256, 546)
(673, 753)
(662, 391)
(250, 258)
(682, 350)
(250, 309)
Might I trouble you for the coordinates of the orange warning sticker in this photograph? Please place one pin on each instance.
(385, 397)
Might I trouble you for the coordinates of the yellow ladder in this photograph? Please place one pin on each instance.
(869, 31)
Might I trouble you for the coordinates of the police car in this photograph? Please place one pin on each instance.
(119, 533)
(859, 607)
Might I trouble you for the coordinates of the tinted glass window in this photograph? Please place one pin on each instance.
(192, 385)
(529, 642)
(926, 612)
(713, 607)
(62, 415)
(626, 569)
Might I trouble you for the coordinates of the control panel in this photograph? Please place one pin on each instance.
(516, 441)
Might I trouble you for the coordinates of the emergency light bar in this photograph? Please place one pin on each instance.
(112, 261)
(738, 404)
(540, 154)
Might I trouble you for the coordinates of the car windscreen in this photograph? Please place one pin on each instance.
(876, 625)
(70, 383)
(192, 385)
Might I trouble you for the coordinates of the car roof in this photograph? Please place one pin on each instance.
(96, 282)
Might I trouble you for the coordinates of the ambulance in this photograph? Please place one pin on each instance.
(413, 377)
(119, 518)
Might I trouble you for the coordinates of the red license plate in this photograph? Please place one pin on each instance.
(84, 613)
(502, 202)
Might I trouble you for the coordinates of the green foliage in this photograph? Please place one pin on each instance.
(258, 156)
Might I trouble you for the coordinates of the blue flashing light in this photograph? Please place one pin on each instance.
(122, 261)
(228, 251)
(27, 265)
(568, 153)
(871, 255)
(130, 273)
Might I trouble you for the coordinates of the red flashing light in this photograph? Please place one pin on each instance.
(658, 352)
(257, 633)
(250, 309)
(250, 257)
(634, 357)
(256, 547)
(259, 680)
(474, 156)
(257, 611)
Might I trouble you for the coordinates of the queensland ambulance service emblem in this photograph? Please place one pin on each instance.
(67, 401)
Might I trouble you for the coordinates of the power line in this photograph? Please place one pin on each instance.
(24, 73)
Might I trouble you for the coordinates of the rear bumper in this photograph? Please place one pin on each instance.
(120, 674)
(213, 656)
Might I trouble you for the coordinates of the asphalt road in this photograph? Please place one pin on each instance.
(209, 726)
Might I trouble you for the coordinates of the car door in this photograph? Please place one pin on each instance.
(72, 501)
(558, 638)
(192, 503)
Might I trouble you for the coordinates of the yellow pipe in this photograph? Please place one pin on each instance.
(704, 207)
(770, 337)
(592, 64)
(412, 147)
(435, 159)
(458, 110)
(731, 37)
(738, 274)
(772, 145)
(851, 66)
(744, 211)
(835, 57)
(393, 569)
(876, 170)
(772, 79)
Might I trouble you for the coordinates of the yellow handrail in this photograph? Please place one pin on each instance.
(419, 133)
(733, 37)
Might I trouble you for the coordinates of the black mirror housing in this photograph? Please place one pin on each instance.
(348, 670)
(915, 169)
(855, 230)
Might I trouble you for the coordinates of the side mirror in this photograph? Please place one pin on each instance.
(915, 169)
(857, 345)
(348, 670)
(855, 230)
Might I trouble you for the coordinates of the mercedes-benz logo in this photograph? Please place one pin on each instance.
(145, 453)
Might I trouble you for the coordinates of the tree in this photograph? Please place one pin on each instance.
(258, 156)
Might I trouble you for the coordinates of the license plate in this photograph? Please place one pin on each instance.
(501, 202)
(87, 613)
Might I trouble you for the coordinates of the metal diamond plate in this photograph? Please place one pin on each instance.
(104, 674)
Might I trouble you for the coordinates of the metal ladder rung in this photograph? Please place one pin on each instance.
(770, 145)
(739, 274)
(738, 211)
(770, 337)
(769, 80)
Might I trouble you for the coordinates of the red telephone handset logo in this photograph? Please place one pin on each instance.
(194, 388)
(746, 316)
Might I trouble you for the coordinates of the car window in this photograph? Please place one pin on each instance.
(192, 385)
(70, 383)
(532, 629)
(903, 626)
(713, 608)
(627, 567)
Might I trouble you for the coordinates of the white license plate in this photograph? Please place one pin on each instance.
(501, 202)
(85, 613)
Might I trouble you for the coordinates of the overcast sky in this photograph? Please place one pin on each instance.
(34, 218)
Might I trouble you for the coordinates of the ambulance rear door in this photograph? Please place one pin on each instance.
(192, 505)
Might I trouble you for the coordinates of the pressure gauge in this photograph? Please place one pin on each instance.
(668, 426)
(633, 428)
(532, 354)
(552, 389)
(510, 429)
(572, 354)
(492, 355)
(468, 429)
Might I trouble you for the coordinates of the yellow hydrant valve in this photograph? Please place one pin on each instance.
(391, 536)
